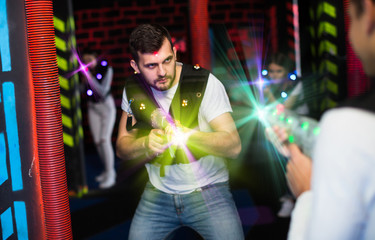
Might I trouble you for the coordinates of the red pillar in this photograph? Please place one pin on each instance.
(200, 42)
(44, 71)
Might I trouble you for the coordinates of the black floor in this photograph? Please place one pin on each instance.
(256, 188)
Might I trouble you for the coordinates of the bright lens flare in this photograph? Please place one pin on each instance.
(261, 114)
(179, 137)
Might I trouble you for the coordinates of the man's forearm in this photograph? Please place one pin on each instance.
(222, 144)
(129, 148)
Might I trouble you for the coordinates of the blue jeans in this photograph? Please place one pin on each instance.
(210, 211)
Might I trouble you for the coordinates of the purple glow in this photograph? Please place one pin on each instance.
(99, 76)
(82, 67)
(260, 83)
(104, 63)
(89, 92)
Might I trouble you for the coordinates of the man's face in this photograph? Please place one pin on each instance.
(158, 68)
(276, 72)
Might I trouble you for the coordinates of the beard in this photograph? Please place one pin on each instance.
(163, 84)
(166, 82)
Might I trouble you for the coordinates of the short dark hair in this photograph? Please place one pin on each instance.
(358, 4)
(147, 38)
(281, 60)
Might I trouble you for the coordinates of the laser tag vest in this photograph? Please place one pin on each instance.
(184, 108)
(98, 73)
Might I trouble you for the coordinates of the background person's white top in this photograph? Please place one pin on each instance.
(297, 91)
(343, 183)
(185, 178)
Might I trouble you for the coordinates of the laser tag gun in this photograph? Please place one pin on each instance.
(162, 120)
(159, 119)
(301, 130)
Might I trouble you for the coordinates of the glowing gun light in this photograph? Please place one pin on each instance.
(176, 136)
(302, 130)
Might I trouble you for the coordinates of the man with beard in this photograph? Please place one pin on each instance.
(177, 119)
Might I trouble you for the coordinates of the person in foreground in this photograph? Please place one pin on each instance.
(188, 180)
(340, 204)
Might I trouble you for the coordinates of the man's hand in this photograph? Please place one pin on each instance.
(156, 142)
(129, 147)
(298, 171)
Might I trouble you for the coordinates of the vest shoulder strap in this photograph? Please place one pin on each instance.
(141, 101)
(188, 98)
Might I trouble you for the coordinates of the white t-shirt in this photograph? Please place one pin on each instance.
(185, 178)
(343, 182)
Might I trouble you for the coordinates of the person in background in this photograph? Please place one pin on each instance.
(289, 92)
(335, 189)
(188, 181)
(281, 88)
(101, 113)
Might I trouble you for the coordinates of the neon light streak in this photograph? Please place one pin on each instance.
(4, 38)
(12, 135)
(21, 220)
(20, 216)
(6, 223)
(3, 157)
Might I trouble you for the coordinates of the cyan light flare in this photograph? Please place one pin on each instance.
(246, 83)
